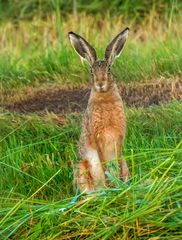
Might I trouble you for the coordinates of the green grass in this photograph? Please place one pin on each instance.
(37, 199)
(27, 10)
(139, 61)
(39, 52)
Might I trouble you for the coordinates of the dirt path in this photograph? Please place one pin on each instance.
(58, 100)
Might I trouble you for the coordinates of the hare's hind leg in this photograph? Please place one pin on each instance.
(82, 177)
(96, 168)
(89, 174)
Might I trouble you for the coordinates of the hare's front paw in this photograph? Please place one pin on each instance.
(125, 174)
(83, 180)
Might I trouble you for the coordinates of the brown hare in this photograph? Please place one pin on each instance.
(104, 122)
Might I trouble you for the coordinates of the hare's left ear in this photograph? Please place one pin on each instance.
(83, 48)
(114, 48)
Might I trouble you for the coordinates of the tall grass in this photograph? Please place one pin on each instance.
(37, 200)
(23, 9)
(36, 52)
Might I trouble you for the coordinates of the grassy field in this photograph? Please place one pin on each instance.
(38, 151)
(37, 199)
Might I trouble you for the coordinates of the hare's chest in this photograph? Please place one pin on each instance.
(107, 117)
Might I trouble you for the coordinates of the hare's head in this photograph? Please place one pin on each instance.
(100, 69)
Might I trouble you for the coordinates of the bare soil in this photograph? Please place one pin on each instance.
(65, 101)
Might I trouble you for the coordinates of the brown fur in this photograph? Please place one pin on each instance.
(83, 177)
(104, 129)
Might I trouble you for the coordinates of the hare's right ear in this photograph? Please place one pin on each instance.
(114, 48)
(82, 47)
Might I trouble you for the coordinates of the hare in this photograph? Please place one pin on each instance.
(104, 124)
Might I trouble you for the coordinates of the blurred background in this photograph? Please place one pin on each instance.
(34, 47)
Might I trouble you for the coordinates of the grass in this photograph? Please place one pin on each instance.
(37, 199)
(40, 52)
(27, 10)
(154, 60)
